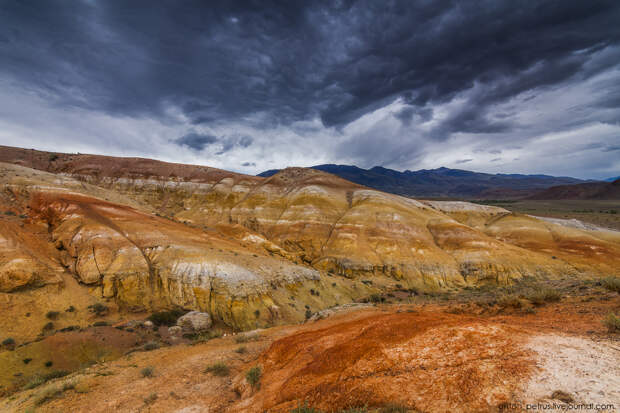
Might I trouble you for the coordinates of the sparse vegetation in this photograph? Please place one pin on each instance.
(166, 318)
(612, 284)
(241, 350)
(544, 296)
(305, 409)
(52, 315)
(204, 336)
(509, 301)
(612, 322)
(46, 395)
(244, 338)
(151, 398)
(53, 157)
(376, 298)
(147, 371)
(218, 369)
(99, 309)
(151, 345)
(253, 376)
(394, 408)
(100, 323)
(47, 327)
(9, 343)
(71, 309)
(38, 380)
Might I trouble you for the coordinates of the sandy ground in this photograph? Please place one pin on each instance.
(589, 371)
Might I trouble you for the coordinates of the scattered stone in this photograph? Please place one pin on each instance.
(175, 331)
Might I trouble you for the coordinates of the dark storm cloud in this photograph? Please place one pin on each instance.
(196, 141)
(291, 61)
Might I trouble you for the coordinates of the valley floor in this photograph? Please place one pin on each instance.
(473, 351)
(602, 213)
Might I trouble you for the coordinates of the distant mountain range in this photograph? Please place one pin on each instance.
(445, 182)
(589, 190)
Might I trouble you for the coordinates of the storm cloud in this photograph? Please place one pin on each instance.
(196, 141)
(397, 83)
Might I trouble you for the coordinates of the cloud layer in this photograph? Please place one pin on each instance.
(247, 86)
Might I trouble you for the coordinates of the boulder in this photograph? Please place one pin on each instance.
(195, 321)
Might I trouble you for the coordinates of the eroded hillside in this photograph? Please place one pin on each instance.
(251, 251)
(87, 242)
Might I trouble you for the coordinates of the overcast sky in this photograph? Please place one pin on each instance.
(492, 86)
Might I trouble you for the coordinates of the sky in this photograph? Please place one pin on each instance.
(491, 85)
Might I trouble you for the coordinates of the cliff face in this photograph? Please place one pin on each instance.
(258, 251)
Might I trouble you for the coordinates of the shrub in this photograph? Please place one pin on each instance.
(253, 376)
(147, 371)
(244, 338)
(48, 363)
(52, 315)
(27, 360)
(48, 327)
(166, 318)
(612, 322)
(55, 374)
(241, 350)
(509, 301)
(150, 399)
(204, 336)
(376, 298)
(151, 345)
(9, 342)
(612, 284)
(70, 309)
(53, 157)
(99, 309)
(544, 296)
(218, 369)
(308, 314)
(100, 323)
